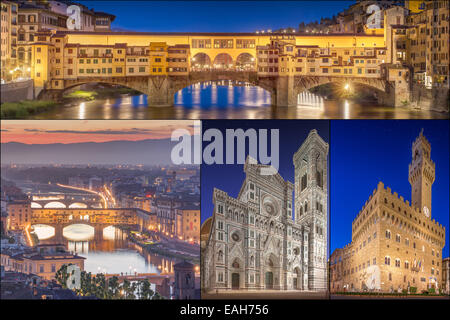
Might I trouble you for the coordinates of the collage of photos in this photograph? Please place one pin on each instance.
(256, 151)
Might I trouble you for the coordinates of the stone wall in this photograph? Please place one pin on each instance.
(436, 99)
(17, 91)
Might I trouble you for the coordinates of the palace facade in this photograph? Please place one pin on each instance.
(252, 242)
(396, 246)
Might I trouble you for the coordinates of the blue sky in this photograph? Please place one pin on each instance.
(366, 152)
(215, 16)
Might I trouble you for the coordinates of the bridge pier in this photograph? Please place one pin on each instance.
(58, 233)
(98, 232)
(397, 94)
(159, 93)
(284, 95)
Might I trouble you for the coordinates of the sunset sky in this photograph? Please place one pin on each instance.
(77, 131)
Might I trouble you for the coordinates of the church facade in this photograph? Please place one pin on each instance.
(257, 242)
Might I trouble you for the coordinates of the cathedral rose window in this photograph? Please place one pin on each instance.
(270, 205)
(235, 237)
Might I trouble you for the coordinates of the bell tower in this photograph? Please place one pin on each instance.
(311, 207)
(421, 174)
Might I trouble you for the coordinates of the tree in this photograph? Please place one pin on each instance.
(145, 291)
(61, 276)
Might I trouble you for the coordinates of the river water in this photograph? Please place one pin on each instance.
(110, 253)
(223, 100)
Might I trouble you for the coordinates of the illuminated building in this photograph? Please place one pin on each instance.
(43, 260)
(252, 242)
(396, 245)
(8, 42)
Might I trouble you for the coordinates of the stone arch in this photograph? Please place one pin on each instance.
(200, 62)
(138, 85)
(296, 278)
(78, 205)
(36, 205)
(54, 204)
(307, 82)
(245, 62)
(223, 61)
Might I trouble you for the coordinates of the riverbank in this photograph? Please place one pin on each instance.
(157, 247)
(25, 109)
(98, 93)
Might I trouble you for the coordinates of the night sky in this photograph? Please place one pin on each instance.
(366, 152)
(229, 178)
(215, 16)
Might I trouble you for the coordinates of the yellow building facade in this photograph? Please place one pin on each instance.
(19, 214)
(8, 43)
(396, 245)
(43, 260)
(87, 54)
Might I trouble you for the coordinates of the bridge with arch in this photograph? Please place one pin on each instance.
(99, 219)
(161, 64)
(65, 203)
(284, 90)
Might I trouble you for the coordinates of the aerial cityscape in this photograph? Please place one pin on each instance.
(133, 228)
(367, 59)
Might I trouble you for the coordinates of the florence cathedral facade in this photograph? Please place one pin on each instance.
(255, 242)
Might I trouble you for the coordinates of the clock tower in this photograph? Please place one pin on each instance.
(421, 175)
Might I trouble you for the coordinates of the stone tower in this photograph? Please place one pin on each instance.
(421, 174)
(311, 205)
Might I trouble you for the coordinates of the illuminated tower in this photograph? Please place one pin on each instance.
(421, 174)
(311, 206)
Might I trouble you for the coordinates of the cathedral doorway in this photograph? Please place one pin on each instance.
(296, 283)
(235, 281)
(269, 280)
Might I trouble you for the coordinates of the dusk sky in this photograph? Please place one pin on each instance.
(366, 152)
(215, 16)
(76, 131)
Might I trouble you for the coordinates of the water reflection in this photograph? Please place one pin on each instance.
(44, 232)
(231, 100)
(110, 252)
(78, 232)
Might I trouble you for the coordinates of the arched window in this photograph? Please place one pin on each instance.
(388, 234)
(387, 261)
(397, 263)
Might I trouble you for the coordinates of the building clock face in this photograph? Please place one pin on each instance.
(426, 211)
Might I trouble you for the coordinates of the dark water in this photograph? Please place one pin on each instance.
(225, 101)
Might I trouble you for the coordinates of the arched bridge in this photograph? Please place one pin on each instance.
(91, 216)
(283, 89)
(66, 203)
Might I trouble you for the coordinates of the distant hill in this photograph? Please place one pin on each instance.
(147, 152)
